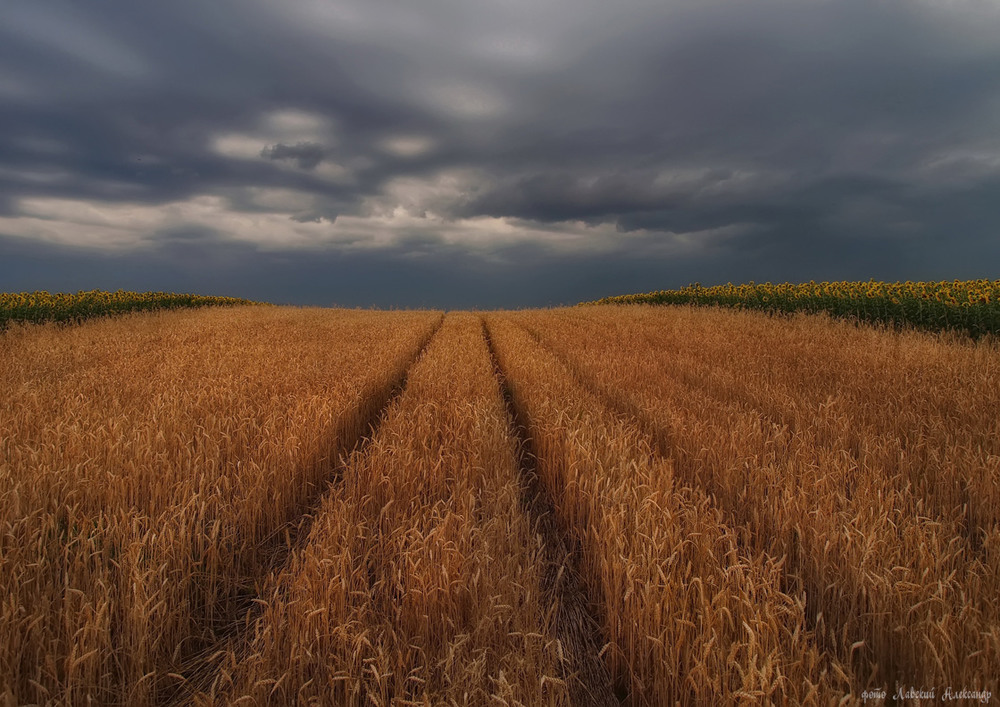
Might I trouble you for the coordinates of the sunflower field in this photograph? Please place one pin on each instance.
(41, 306)
(972, 306)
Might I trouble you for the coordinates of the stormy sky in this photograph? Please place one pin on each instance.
(494, 153)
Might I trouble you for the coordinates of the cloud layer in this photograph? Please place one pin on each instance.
(499, 153)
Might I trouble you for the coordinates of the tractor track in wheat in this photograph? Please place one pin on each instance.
(196, 669)
(576, 623)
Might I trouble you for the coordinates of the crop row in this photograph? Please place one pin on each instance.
(865, 462)
(149, 470)
(421, 581)
(691, 615)
(681, 505)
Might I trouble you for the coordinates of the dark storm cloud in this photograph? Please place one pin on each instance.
(306, 154)
(680, 140)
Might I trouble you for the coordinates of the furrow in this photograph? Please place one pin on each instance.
(153, 467)
(693, 615)
(195, 670)
(420, 582)
(577, 628)
(863, 410)
(883, 571)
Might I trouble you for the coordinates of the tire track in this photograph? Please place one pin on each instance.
(195, 670)
(616, 403)
(744, 400)
(576, 626)
(798, 568)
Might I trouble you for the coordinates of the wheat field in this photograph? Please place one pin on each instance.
(589, 506)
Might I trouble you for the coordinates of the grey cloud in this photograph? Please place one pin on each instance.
(311, 218)
(825, 138)
(564, 196)
(526, 275)
(306, 154)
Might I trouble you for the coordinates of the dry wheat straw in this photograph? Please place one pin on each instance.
(691, 615)
(866, 458)
(420, 583)
(147, 465)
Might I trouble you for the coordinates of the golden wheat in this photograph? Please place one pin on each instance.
(420, 582)
(145, 467)
(866, 459)
(691, 616)
(721, 507)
